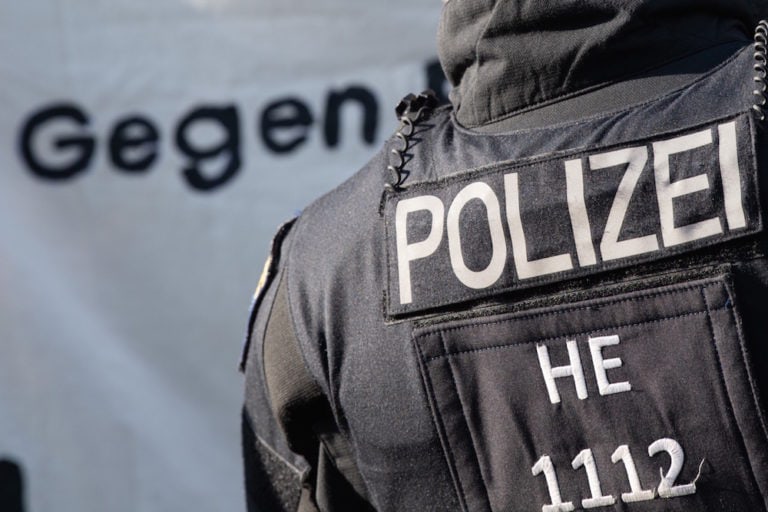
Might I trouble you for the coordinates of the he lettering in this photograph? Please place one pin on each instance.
(575, 370)
(504, 207)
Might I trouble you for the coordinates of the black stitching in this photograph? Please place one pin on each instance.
(433, 331)
(509, 345)
(442, 434)
(466, 423)
(721, 377)
(598, 117)
(526, 162)
(748, 370)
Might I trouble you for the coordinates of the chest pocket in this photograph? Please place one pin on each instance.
(641, 401)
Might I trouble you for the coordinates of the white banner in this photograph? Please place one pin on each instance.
(148, 151)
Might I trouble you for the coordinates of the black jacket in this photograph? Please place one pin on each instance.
(558, 303)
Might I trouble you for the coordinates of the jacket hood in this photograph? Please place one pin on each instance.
(504, 57)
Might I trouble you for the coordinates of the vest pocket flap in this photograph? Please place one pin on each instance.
(642, 401)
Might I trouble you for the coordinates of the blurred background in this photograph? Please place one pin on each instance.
(148, 151)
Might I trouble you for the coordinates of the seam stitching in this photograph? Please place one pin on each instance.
(274, 452)
(556, 99)
(437, 418)
(676, 291)
(747, 368)
(509, 345)
(724, 384)
(466, 423)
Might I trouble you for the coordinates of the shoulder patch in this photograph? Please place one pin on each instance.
(518, 224)
(267, 274)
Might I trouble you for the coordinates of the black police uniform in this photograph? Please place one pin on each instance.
(554, 299)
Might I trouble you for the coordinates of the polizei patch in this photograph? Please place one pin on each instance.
(520, 223)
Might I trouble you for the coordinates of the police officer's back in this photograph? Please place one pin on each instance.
(549, 295)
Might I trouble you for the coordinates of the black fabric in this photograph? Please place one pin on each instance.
(11, 486)
(504, 57)
(445, 406)
(749, 283)
(334, 488)
(305, 417)
(296, 399)
(295, 458)
(267, 275)
(367, 365)
(270, 484)
(617, 95)
(679, 374)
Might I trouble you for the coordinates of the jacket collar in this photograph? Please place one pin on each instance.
(507, 57)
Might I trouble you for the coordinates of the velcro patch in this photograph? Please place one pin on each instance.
(518, 224)
(641, 400)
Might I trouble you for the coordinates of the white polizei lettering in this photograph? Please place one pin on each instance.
(601, 365)
(582, 232)
(525, 268)
(729, 170)
(406, 253)
(489, 275)
(667, 191)
(610, 246)
(572, 370)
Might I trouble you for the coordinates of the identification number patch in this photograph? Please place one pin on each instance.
(640, 400)
(518, 224)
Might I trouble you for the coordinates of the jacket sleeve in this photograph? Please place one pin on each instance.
(295, 457)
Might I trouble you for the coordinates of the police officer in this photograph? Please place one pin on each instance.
(547, 296)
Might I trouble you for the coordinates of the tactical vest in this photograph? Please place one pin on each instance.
(554, 319)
